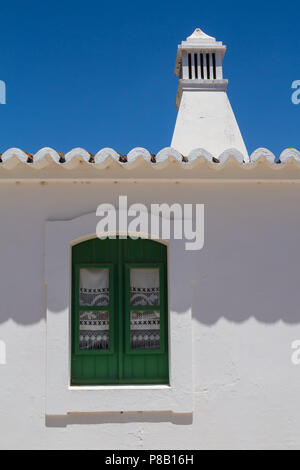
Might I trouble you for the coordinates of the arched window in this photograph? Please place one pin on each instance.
(119, 312)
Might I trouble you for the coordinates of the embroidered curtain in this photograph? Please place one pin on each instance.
(94, 330)
(94, 287)
(94, 292)
(144, 287)
(145, 325)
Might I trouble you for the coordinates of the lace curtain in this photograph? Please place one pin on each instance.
(145, 325)
(145, 330)
(94, 330)
(94, 287)
(94, 292)
(144, 287)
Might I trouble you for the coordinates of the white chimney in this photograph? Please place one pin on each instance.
(205, 117)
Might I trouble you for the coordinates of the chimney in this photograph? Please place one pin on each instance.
(205, 117)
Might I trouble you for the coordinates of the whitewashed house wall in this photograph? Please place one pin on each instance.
(242, 289)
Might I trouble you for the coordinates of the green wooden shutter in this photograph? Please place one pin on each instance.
(123, 358)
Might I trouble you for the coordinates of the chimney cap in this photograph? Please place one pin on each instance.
(198, 41)
(199, 35)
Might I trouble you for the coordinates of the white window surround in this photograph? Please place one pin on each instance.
(61, 398)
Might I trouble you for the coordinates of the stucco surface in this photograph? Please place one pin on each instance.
(244, 293)
(205, 119)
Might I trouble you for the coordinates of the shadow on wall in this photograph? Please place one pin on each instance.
(249, 268)
(118, 418)
(238, 277)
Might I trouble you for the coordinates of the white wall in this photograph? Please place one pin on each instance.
(245, 302)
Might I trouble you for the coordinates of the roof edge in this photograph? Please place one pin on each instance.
(102, 159)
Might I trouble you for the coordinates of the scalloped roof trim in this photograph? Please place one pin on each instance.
(105, 157)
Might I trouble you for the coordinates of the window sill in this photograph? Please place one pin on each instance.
(120, 387)
(128, 398)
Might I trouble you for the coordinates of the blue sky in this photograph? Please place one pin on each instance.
(97, 74)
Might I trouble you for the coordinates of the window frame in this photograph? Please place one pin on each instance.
(128, 308)
(77, 308)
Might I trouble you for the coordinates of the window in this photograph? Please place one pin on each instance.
(119, 313)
